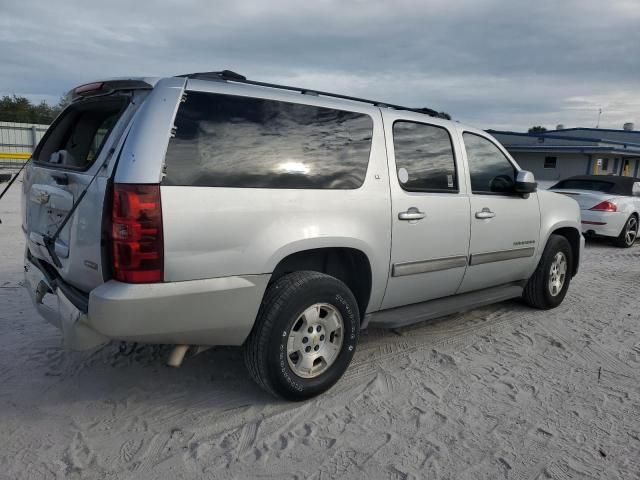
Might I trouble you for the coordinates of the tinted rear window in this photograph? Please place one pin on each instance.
(594, 185)
(232, 141)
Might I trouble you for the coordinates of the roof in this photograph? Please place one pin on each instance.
(230, 76)
(621, 185)
(550, 141)
(593, 130)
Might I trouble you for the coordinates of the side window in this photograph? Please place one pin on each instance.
(425, 153)
(244, 142)
(635, 191)
(490, 170)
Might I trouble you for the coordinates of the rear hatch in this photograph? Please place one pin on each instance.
(78, 151)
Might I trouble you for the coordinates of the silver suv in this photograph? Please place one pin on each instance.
(207, 209)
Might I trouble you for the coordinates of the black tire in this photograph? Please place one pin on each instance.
(537, 292)
(265, 350)
(623, 241)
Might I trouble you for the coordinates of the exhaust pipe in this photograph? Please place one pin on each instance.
(179, 351)
(177, 355)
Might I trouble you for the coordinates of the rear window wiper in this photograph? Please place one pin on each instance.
(50, 240)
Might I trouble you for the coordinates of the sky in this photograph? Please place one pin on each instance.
(502, 64)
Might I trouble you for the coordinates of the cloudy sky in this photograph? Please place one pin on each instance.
(505, 64)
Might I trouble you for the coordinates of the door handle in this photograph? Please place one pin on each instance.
(485, 213)
(413, 214)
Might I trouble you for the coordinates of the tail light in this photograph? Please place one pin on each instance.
(605, 206)
(136, 233)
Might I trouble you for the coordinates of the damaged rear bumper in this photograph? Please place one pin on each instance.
(54, 305)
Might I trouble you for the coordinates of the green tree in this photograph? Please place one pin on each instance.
(20, 109)
(444, 115)
(537, 129)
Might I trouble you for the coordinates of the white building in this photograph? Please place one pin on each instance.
(558, 154)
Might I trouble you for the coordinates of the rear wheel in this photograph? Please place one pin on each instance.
(548, 285)
(628, 234)
(304, 337)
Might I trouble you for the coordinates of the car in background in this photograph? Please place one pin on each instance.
(610, 205)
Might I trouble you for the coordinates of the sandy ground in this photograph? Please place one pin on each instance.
(499, 392)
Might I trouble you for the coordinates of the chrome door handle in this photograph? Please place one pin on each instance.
(485, 213)
(412, 214)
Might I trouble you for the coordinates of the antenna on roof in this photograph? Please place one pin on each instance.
(228, 75)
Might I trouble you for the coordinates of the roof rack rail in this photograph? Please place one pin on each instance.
(228, 75)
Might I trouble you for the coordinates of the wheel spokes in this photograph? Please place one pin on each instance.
(315, 340)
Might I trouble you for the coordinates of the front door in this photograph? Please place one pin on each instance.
(430, 211)
(505, 227)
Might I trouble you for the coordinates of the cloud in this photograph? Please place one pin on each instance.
(493, 63)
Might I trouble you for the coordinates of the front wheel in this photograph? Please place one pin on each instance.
(628, 234)
(548, 285)
(304, 337)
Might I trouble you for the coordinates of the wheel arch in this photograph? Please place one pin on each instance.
(572, 235)
(350, 265)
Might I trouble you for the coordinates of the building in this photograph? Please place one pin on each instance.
(561, 153)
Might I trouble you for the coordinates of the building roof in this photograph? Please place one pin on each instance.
(584, 140)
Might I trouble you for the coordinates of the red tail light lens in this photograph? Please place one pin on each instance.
(605, 206)
(136, 233)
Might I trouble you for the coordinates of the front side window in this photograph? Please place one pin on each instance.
(424, 157)
(244, 142)
(490, 170)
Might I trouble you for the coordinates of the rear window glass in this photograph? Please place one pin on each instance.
(594, 185)
(76, 137)
(232, 141)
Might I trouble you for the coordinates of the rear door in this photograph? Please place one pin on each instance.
(72, 151)
(430, 210)
(505, 226)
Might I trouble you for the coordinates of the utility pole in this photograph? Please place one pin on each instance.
(599, 114)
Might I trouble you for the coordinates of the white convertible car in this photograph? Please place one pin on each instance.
(610, 206)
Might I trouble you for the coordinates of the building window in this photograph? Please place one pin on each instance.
(550, 162)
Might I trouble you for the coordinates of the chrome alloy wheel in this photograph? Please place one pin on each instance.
(631, 231)
(315, 340)
(557, 274)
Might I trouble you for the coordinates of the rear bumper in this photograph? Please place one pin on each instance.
(607, 224)
(216, 311)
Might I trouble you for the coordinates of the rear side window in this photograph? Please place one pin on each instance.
(426, 154)
(76, 138)
(594, 185)
(232, 141)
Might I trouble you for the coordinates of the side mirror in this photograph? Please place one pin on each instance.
(525, 182)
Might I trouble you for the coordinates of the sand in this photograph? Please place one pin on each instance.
(500, 392)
